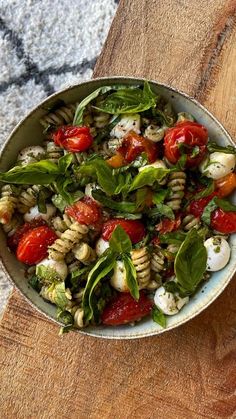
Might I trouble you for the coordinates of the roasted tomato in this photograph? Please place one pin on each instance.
(197, 207)
(33, 246)
(73, 139)
(86, 211)
(116, 161)
(226, 185)
(124, 309)
(166, 225)
(14, 240)
(134, 228)
(133, 145)
(224, 222)
(191, 137)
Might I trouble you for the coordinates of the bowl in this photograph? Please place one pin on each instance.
(29, 132)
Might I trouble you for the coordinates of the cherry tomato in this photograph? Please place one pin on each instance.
(193, 138)
(33, 246)
(133, 145)
(197, 207)
(134, 228)
(13, 240)
(224, 222)
(73, 139)
(86, 211)
(124, 309)
(226, 185)
(116, 161)
(166, 225)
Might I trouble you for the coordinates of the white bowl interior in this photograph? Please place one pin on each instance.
(29, 132)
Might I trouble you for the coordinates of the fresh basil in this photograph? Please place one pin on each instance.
(123, 206)
(64, 162)
(60, 298)
(158, 316)
(147, 177)
(181, 163)
(131, 276)
(98, 169)
(160, 196)
(212, 147)
(65, 317)
(161, 210)
(209, 208)
(225, 205)
(105, 132)
(128, 216)
(190, 262)
(66, 329)
(79, 276)
(120, 241)
(205, 192)
(128, 100)
(102, 268)
(35, 283)
(43, 194)
(40, 173)
(47, 274)
(174, 237)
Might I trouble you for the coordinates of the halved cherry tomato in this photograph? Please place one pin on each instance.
(33, 246)
(74, 139)
(166, 225)
(226, 185)
(124, 309)
(192, 137)
(116, 161)
(224, 222)
(197, 207)
(14, 240)
(134, 228)
(86, 211)
(133, 145)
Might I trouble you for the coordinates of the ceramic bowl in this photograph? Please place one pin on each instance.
(29, 132)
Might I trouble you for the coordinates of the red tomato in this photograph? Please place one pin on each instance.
(224, 222)
(134, 228)
(86, 211)
(190, 134)
(133, 145)
(33, 246)
(13, 240)
(226, 185)
(124, 309)
(74, 139)
(166, 225)
(197, 207)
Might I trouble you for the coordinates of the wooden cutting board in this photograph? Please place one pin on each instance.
(189, 372)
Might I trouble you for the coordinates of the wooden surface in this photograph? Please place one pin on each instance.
(186, 373)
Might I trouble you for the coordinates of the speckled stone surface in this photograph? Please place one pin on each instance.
(44, 49)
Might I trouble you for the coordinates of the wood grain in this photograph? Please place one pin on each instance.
(186, 373)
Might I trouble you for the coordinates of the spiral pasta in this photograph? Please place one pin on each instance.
(60, 224)
(12, 226)
(67, 241)
(141, 261)
(28, 198)
(84, 253)
(61, 116)
(157, 260)
(53, 152)
(8, 203)
(79, 317)
(172, 248)
(190, 221)
(176, 183)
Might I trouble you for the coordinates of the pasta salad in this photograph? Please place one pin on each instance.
(123, 211)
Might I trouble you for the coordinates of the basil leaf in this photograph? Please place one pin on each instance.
(41, 200)
(225, 205)
(190, 262)
(160, 196)
(205, 192)
(128, 216)
(79, 276)
(103, 267)
(101, 171)
(158, 316)
(206, 215)
(64, 162)
(123, 206)
(120, 241)
(47, 274)
(105, 132)
(181, 163)
(147, 177)
(40, 173)
(212, 147)
(128, 100)
(35, 283)
(60, 295)
(162, 210)
(65, 317)
(174, 237)
(79, 113)
(131, 276)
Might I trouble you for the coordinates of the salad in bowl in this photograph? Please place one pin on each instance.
(122, 210)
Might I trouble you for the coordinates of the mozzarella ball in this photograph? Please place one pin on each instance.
(218, 253)
(101, 246)
(158, 164)
(34, 213)
(30, 154)
(52, 267)
(218, 165)
(118, 280)
(127, 123)
(168, 302)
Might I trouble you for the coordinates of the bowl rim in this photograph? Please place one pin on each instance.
(109, 81)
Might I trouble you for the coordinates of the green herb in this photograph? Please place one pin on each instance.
(65, 317)
(172, 287)
(210, 207)
(147, 177)
(43, 194)
(195, 151)
(35, 283)
(128, 216)
(161, 210)
(212, 147)
(64, 162)
(225, 205)
(47, 274)
(190, 262)
(175, 237)
(160, 196)
(131, 276)
(40, 173)
(205, 192)
(158, 316)
(120, 241)
(128, 100)
(105, 132)
(98, 169)
(181, 163)
(60, 298)
(123, 206)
